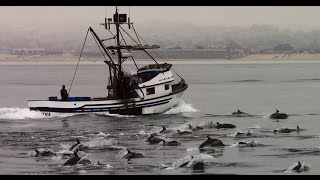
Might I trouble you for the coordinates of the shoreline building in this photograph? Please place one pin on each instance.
(25, 51)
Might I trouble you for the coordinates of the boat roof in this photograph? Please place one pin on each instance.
(155, 68)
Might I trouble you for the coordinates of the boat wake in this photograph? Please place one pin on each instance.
(181, 107)
(20, 113)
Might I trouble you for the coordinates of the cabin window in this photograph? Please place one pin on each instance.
(150, 91)
(166, 87)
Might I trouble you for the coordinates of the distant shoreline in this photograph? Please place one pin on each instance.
(252, 58)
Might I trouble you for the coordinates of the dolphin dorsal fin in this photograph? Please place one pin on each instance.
(164, 128)
(239, 110)
(208, 137)
(36, 150)
(78, 142)
(277, 110)
(129, 151)
(218, 123)
(191, 157)
(298, 128)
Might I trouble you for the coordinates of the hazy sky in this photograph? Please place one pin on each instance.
(301, 17)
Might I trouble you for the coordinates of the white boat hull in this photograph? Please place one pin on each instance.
(125, 107)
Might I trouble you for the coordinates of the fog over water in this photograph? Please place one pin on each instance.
(53, 17)
(62, 28)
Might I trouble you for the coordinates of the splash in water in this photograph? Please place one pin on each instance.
(19, 113)
(181, 107)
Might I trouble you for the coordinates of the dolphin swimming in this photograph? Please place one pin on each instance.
(199, 161)
(286, 130)
(74, 145)
(278, 115)
(195, 161)
(184, 132)
(297, 167)
(73, 160)
(127, 154)
(243, 134)
(153, 140)
(194, 128)
(240, 113)
(170, 143)
(247, 144)
(182, 162)
(224, 125)
(44, 153)
(211, 143)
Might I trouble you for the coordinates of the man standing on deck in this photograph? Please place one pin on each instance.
(64, 93)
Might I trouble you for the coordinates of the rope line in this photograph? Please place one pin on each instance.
(78, 61)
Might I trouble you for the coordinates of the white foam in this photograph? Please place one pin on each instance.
(109, 166)
(115, 115)
(142, 132)
(205, 158)
(82, 171)
(98, 142)
(103, 134)
(20, 113)
(192, 149)
(255, 127)
(181, 107)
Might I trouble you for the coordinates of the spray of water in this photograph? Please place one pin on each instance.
(181, 107)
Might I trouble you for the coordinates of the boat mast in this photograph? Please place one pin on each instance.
(117, 23)
(118, 39)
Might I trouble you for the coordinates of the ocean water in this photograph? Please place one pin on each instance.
(215, 91)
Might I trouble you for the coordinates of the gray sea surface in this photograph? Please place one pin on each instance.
(215, 91)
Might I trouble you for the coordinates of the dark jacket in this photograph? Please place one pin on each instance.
(64, 94)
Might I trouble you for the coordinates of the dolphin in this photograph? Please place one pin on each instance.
(198, 162)
(73, 160)
(245, 144)
(71, 148)
(153, 140)
(297, 167)
(171, 143)
(211, 143)
(185, 163)
(84, 161)
(130, 155)
(182, 162)
(243, 134)
(181, 132)
(286, 130)
(238, 112)
(278, 115)
(44, 153)
(224, 125)
(194, 128)
(163, 129)
(198, 165)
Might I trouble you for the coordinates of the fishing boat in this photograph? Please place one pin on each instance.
(151, 89)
